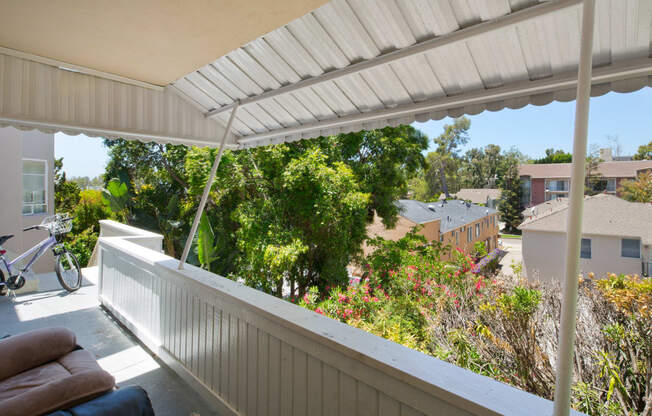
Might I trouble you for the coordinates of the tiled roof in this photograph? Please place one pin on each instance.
(618, 169)
(545, 208)
(477, 196)
(603, 215)
(453, 214)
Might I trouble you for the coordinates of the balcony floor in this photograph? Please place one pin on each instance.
(116, 350)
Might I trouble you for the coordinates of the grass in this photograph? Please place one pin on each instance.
(510, 236)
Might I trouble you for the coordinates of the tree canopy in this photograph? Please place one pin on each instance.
(644, 152)
(555, 156)
(281, 218)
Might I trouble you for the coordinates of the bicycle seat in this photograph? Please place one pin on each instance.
(4, 238)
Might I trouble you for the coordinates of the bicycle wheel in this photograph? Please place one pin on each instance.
(68, 271)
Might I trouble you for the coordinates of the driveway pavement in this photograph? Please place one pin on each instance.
(514, 249)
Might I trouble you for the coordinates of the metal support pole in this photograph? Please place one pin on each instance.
(574, 231)
(207, 188)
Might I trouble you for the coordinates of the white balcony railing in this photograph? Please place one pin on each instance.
(251, 353)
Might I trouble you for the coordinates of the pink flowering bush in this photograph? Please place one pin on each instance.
(502, 329)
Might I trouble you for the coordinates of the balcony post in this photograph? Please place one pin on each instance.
(207, 188)
(565, 351)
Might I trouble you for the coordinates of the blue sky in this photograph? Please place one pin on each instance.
(531, 129)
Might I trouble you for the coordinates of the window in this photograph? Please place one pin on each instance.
(34, 186)
(556, 185)
(457, 237)
(469, 234)
(477, 230)
(611, 185)
(526, 184)
(585, 251)
(631, 248)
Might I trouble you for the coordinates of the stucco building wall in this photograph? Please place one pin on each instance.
(16, 146)
(544, 256)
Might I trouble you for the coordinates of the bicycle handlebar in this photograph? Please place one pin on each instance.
(41, 227)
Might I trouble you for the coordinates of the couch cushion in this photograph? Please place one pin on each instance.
(25, 351)
(20, 383)
(74, 378)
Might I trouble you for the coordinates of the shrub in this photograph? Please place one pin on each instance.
(82, 246)
(506, 330)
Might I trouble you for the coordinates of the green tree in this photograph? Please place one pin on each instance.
(382, 160)
(282, 216)
(644, 152)
(481, 166)
(555, 156)
(510, 204)
(448, 143)
(306, 225)
(639, 190)
(66, 193)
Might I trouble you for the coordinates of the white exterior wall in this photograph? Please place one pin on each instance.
(543, 256)
(16, 146)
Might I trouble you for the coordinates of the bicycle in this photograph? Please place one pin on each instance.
(66, 265)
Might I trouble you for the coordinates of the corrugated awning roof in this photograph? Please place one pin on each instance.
(346, 66)
(353, 65)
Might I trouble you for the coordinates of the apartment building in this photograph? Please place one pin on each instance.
(27, 189)
(616, 238)
(545, 182)
(457, 223)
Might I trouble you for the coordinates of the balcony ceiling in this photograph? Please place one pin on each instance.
(485, 56)
(155, 41)
(346, 65)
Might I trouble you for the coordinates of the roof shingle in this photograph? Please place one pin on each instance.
(618, 169)
(453, 214)
(603, 215)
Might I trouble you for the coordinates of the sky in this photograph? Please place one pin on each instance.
(531, 129)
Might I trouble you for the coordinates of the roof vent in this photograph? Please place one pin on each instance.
(431, 208)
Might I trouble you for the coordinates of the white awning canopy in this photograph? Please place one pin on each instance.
(346, 66)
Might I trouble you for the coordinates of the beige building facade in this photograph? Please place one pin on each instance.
(26, 190)
(616, 238)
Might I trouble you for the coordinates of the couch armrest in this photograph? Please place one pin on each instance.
(59, 394)
(25, 351)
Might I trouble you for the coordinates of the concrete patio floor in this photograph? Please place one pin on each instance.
(116, 350)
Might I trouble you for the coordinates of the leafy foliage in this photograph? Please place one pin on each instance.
(510, 204)
(206, 252)
(66, 194)
(639, 190)
(283, 217)
(555, 156)
(116, 196)
(644, 152)
(503, 329)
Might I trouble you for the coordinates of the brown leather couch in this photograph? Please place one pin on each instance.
(44, 370)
